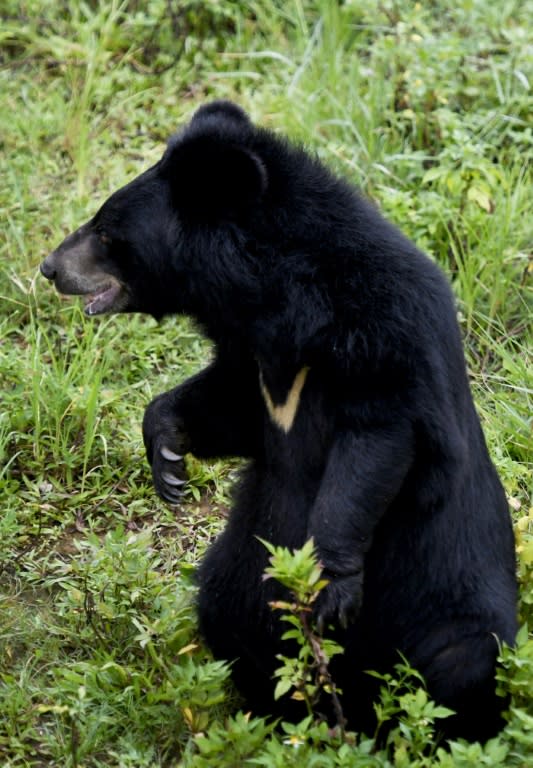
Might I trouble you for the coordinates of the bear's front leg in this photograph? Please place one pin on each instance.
(215, 413)
(365, 470)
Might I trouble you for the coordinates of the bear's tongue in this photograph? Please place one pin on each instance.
(102, 301)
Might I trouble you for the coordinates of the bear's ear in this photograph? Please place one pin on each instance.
(222, 110)
(213, 175)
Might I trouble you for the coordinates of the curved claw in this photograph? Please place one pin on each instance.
(171, 495)
(172, 479)
(169, 455)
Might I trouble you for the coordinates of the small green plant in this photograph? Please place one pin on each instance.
(134, 656)
(514, 676)
(405, 703)
(306, 674)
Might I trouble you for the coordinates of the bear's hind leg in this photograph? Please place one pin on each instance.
(461, 676)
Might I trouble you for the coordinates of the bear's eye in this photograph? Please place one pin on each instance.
(105, 239)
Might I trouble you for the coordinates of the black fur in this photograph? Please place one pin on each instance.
(286, 267)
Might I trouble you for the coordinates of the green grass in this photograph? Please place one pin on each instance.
(427, 106)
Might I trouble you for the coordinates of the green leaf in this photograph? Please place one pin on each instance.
(481, 197)
(283, 686)
(433, 173)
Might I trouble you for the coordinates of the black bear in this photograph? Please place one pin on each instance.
(339, 373)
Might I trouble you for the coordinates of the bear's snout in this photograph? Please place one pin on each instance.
(48, 268)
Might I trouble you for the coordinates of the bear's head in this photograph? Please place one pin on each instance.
(145, 249)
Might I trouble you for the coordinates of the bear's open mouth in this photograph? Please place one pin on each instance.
(103, 300)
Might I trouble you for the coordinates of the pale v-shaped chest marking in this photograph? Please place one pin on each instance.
(283, 415)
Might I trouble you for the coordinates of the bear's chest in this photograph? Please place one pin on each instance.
(299, 421)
